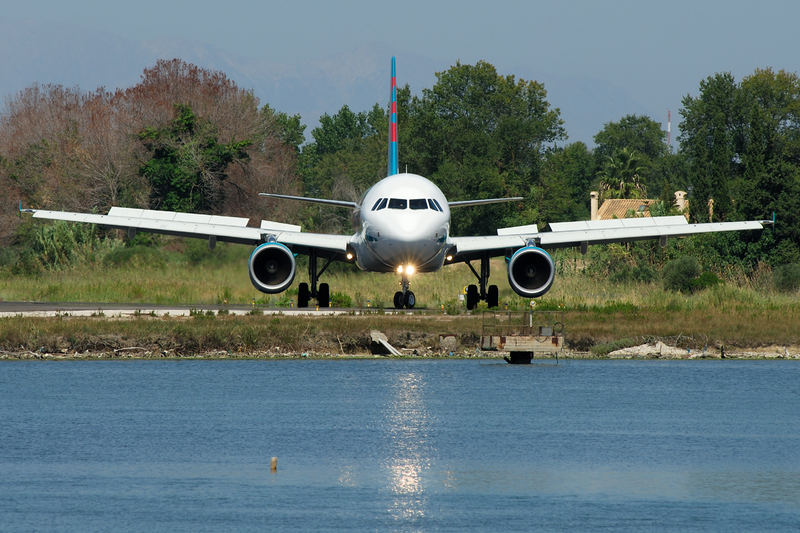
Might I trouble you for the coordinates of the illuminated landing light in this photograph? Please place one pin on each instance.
(349, 256)
(449, 258)
(408, 270)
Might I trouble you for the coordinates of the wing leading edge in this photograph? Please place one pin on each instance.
(211, 227)
(584, 233)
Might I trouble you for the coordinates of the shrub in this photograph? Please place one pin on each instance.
(137, 255)
(704, 281)
(339, 299)
(679, 273)
(787, 277)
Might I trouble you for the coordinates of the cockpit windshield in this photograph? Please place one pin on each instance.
(398, 203)
(402, 203)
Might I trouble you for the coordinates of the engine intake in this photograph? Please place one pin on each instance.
(531, 271)
(272, 267)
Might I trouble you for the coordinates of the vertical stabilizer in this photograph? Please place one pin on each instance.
(393, 126)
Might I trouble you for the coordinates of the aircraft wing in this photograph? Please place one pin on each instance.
(211, 227)
(583, 233)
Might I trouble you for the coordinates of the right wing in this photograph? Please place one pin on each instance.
(584, 233)
(212, 227)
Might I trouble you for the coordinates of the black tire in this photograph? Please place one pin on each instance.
(472, 297)
(324, 295)
(303, 295)
(410, 300)
(492, 296)
(398, 300)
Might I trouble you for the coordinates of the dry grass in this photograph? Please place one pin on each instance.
(743, 311)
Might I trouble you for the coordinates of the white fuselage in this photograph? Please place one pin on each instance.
(403, 220)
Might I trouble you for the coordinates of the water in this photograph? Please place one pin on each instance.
(399, 445)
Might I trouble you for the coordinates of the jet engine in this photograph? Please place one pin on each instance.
(531, 271)
(272, 267)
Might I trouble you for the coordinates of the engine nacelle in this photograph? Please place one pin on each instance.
(272, 267)
(531, 271)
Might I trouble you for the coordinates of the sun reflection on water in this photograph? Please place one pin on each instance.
(409, 448)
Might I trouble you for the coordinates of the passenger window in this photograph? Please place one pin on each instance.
(398, 203)
(418, 203)
(374, 207)
(432, 205)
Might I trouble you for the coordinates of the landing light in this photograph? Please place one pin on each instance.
(449, 258)
(406, 269)
(349, 256)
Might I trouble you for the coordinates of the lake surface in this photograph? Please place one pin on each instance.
(399, 445)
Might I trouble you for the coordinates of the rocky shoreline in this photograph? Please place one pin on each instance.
(649, 351)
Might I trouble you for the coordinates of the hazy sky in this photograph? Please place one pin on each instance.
(652, 52)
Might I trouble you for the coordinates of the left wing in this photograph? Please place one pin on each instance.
(584, 233)
(211, 227)
(483, 201)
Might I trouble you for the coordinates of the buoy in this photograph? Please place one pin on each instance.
(273, 464)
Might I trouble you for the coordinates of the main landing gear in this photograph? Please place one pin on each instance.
(323, 293)
(491, 296)
(404, 298)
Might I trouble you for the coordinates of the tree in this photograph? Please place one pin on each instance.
(742, 143)
(287, 128)
(620, 176)
(636, 133)
(564, 184)
(188, 164)
(478, 134)
(708, 135)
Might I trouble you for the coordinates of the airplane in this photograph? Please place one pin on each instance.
(403, 226)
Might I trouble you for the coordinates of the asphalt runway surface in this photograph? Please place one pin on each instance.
(44, 309)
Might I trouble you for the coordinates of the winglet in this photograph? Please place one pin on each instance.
(21, 210)
(393, 164)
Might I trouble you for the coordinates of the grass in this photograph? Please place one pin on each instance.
(742, 311)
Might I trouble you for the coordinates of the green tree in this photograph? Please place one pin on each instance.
(708, 139)
(288, 128)
(637, 133)
(742, 143)
(562, 192)
(188, 164)
(478, 134)
(620, 176)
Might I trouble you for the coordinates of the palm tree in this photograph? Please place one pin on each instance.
(620, 176)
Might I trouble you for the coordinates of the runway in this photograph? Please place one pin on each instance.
(52, 309)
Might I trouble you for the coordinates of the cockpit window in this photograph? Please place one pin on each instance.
(418, 203)
(398, 203)
(434, 204)
(377, 202)
(383, 204)
(437, 204)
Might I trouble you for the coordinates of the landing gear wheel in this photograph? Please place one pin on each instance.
(472, 297)
(492, 296)
(398, 300)
(302, 295)
(410, 300)
(324, 295)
